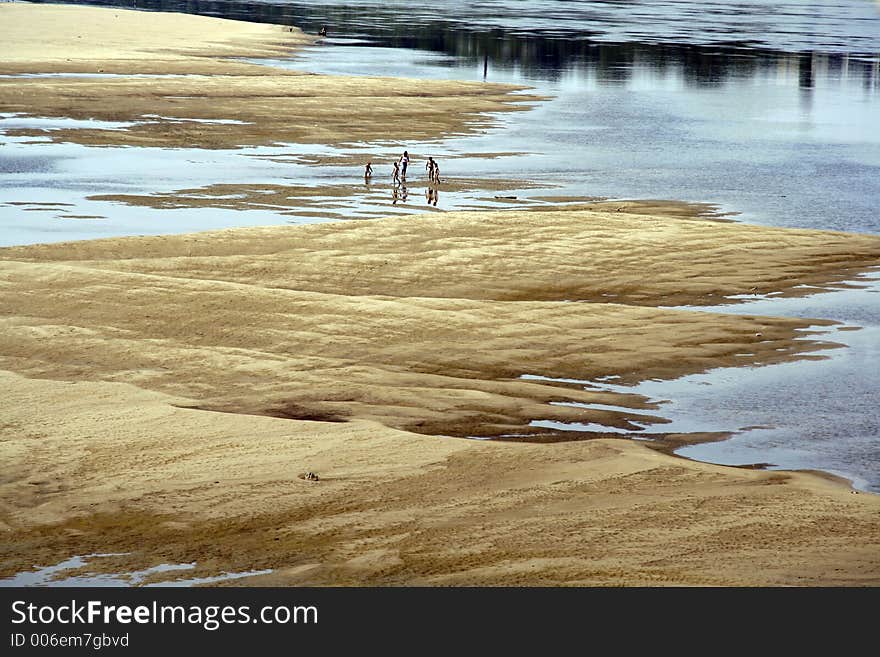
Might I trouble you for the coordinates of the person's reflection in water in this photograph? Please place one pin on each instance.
(403, 192)
(394, 195)
(433, 195)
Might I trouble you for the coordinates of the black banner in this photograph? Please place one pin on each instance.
(273, 619)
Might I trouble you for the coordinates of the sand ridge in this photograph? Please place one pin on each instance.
(116, 39)
(652, 255)
(422, 323)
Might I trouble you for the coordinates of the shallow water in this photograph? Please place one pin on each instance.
(812, 414)
(771, 110)
(49, 190)
(804, 415)
(809, 415)
(756, 143)
(56, 576)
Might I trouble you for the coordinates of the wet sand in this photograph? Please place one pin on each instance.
(292, 198)
(164, 395)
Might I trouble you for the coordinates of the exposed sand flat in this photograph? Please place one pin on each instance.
(97, 468)
(270, 105)
(565, 255)
(447, 366)
(147, 327)
(423, 323)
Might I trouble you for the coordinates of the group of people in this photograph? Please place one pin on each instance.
(401, 164)
(398, 177)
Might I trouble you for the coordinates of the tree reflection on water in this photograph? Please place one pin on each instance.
(536, 52)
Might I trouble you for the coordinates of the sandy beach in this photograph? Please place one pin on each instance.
(165, 395)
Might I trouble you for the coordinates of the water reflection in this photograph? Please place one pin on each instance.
(707, 42)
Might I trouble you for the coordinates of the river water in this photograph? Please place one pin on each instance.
(770, 110)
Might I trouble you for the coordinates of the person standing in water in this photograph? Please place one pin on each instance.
(395, 173)
(368, 172)
(404, 162)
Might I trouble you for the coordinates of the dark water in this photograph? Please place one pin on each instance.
(770, 110)
(521, 29)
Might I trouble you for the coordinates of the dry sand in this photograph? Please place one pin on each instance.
(304, 324)
(356, 350)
